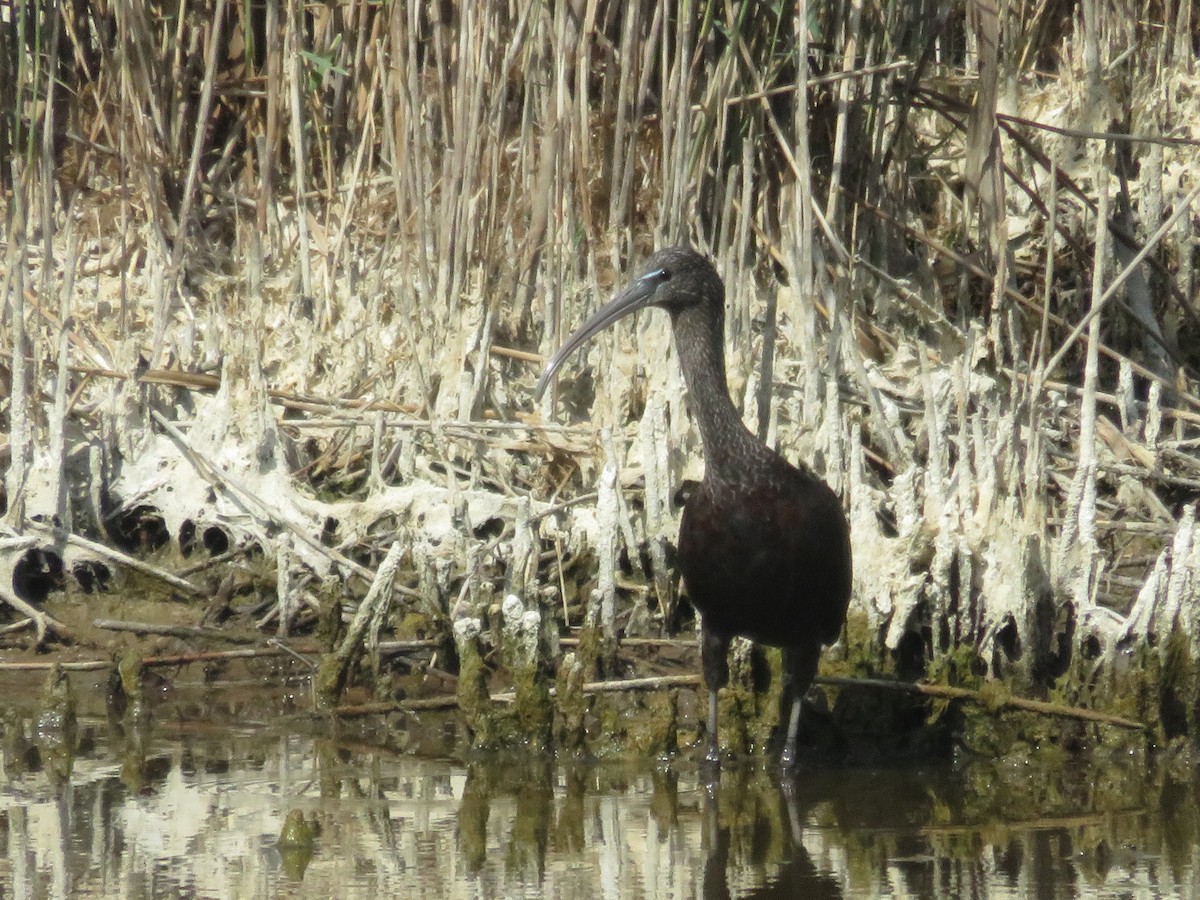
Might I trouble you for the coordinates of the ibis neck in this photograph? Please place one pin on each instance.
(699, 341)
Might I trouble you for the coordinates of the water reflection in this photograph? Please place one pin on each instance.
(191, 809)
(773, 839)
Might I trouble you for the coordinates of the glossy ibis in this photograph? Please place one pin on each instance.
(763, 545)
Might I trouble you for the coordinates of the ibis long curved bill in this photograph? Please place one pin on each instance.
(639, 295)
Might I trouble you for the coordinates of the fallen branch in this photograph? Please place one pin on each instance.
(217, 476)
(84, 665)
(943, 692)
(449, 701)
(42, 622)
(179, 631)
(946, 692)
(184, 659)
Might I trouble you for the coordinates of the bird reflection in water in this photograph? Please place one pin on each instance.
(796, 876)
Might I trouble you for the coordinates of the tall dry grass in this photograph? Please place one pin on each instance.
(921, 212)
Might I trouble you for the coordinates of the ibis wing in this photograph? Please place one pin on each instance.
(773, 566)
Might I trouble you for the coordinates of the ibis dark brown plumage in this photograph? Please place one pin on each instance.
(764, 546)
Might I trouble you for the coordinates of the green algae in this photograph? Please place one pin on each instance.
(297, 831)
(474, 700)
(532, 711)
(330, 680)
(569, 834)
(570, 723)
(655, 732)
(530, 837)
(56, 726)
(473, 812)
(297, 843)
(748, 708)
(132, 672)
(523, 652)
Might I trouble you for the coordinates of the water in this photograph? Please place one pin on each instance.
(195, 806)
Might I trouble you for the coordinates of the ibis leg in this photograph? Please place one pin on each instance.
(714, 656)
(800, 667)
(787, 758)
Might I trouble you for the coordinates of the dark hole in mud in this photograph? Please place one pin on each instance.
(141, 528)
(1009, 640)
(36, 574)
(1091, 648)
(682, 616)
(943, 627)
(760, 669)
(216, 540)
(329, 531)
(887, 522)
(489, 528)
(1058, 627)
(909, 656)
(187, 538)
(92, 577)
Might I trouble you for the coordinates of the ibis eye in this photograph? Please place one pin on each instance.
(663, 274)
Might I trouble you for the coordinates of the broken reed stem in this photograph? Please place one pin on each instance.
(86, 665)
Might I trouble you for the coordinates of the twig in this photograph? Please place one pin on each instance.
(1180, 211)
(184, 659)
(813, 81)
(14, 627)
(638, 642)
(1063, 387)
(42, 621)
(179, 631)
(449, 701)
(1114, 136)
(84, 665)
(946, 692)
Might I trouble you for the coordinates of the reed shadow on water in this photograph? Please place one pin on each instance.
(208, 808)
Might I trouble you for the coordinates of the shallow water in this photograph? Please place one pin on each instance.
(180, 807)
